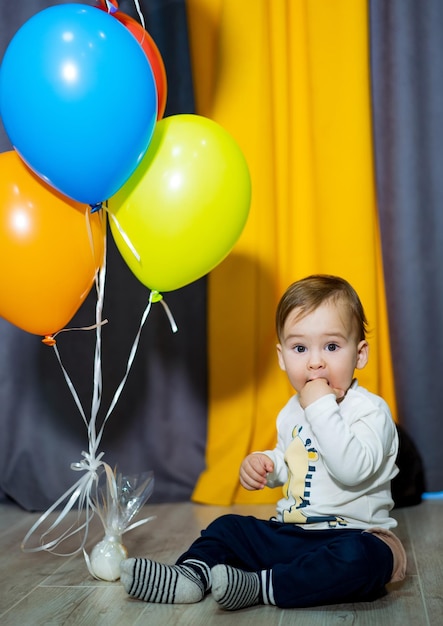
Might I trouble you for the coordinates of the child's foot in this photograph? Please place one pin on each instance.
(234, 588)
(167, 584)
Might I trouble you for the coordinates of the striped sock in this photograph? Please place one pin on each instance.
(202, 570)
(166, 584)
(234, 588)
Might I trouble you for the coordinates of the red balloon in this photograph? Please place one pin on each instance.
(150, 49)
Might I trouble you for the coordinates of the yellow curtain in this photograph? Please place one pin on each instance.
(289, 79)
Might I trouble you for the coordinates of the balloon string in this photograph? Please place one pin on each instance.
(125, 237)
(129, 364)
(80, 492)
(154, 296)
(112, 9)
(159, 297)
(98, 379)
(71, 386)
(140, 14)
(91, 327)
(102, 218)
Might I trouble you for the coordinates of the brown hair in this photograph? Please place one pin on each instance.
(309, 293)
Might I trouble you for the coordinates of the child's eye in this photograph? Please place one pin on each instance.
(299, 349)
(331, 347)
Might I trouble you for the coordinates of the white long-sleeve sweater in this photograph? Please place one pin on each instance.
(335, 462)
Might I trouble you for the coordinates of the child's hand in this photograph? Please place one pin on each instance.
(316, 389)
(253, 471)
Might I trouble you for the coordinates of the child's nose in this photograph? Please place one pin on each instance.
(316, 360)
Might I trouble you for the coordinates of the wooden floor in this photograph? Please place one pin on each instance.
(43, 589)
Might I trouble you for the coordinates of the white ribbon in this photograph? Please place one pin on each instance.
(125, 237)
(80, 494)
(111, 9)
(139, 13)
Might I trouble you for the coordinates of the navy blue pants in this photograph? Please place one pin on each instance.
(307, 567)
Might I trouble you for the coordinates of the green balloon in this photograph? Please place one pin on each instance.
(185, 206)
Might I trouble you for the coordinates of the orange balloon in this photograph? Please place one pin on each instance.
(49, 255)
(150, 49)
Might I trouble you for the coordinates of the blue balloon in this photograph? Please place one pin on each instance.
(78, 100)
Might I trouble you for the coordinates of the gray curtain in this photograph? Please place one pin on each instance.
(406, 42)
(159, 422)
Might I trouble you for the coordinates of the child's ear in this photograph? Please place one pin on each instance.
(280, 358)
(362, 354)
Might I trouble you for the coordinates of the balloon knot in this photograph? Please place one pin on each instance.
(90, 463)
(95, 207)
(111, 7)
(49, 340)
(156, 296)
